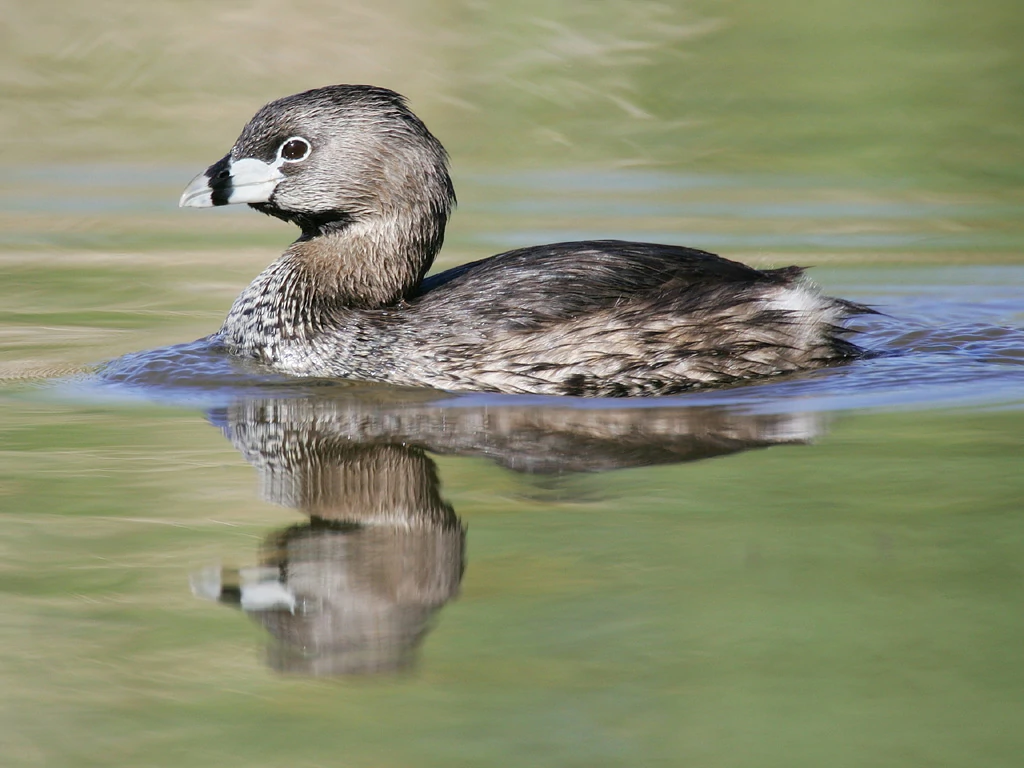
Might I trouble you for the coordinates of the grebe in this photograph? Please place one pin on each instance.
(368, 186)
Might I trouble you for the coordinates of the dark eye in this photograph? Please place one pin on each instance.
(295, 149)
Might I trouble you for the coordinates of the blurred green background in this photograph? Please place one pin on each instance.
(848, 603)
(900, 91)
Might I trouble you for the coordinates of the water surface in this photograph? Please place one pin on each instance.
(212, 566)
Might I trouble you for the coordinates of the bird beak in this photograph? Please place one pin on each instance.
(228, 181)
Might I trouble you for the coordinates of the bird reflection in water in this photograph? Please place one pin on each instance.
(353, 591)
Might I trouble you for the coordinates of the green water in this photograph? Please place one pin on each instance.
(821, 571)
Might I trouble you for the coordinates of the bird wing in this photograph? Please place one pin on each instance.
(543, 284)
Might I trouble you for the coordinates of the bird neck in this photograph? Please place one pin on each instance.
(335, 267)
(365, 263)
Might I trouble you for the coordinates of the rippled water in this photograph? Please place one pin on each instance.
(207, 565)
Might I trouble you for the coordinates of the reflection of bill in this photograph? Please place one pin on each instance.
(353, 590)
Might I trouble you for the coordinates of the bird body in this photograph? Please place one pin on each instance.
(369, 187)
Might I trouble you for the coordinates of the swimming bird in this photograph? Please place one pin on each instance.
(368, 186)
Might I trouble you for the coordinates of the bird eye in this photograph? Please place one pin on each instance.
(295, 149)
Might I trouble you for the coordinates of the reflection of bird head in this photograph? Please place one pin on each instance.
(365, 595)
(354, 589)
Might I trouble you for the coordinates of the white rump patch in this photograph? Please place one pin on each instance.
(806, 302)
(805, 305)
(799, 299)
